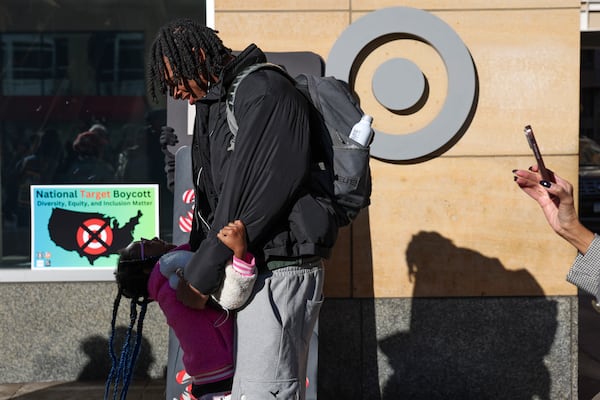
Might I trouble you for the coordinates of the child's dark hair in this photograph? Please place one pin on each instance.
(133, 270)
(175, 42)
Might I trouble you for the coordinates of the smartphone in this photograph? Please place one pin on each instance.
(546, 175)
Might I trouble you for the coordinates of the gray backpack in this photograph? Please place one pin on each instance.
(336, 110)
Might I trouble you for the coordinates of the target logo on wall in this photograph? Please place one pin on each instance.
(402, 87)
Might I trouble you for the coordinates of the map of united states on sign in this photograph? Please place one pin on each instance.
(91, 235)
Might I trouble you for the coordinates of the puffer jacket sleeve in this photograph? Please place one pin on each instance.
(264, 174)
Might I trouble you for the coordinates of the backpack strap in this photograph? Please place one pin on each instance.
(231, 121)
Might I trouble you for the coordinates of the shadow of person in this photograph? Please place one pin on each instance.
(465, 347)
(99, 364)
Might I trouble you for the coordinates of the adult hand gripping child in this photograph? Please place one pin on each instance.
(148, 270)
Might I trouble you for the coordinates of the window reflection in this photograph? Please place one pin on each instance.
(73, 104)
(51, 63)
(33, 64)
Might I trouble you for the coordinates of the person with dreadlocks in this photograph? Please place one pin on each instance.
(149, 270)
(262, 176)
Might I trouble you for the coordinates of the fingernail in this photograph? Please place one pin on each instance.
(545, 184)
(514, 178)
(514, 170)
(530, 168)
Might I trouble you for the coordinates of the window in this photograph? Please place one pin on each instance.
(118, 59)
(63, 70)
(32, 64)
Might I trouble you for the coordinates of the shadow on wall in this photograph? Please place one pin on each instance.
(469, 348)
(99, 364)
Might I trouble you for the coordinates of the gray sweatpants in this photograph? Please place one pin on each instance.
(273, 333)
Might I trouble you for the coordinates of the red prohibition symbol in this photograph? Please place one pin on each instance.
(94, 236)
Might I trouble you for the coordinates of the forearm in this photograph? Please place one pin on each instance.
(263, 175)
(239, 281)
(271, 159)
(577, 235)
(245, 265)
(205, 270)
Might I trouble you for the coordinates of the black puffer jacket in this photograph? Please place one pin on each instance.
(264, 180)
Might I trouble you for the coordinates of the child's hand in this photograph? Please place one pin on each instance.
(233, 235)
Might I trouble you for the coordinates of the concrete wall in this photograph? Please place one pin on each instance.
(60, 331)
(388, 348)
(450, 285)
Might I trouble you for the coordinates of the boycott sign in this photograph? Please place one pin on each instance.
(79, 226)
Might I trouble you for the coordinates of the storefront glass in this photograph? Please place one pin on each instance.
(69, 67)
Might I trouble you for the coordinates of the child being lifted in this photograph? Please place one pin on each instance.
(151, 270)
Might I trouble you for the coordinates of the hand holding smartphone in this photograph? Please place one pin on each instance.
(546, 175)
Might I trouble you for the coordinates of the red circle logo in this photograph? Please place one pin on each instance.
(94, 236)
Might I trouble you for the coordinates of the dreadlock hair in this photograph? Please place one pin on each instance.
(180, 42)
(132, 276)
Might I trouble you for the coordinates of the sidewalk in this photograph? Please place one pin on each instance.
(143, 390)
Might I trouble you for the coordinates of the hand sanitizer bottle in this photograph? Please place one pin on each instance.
(361, 132)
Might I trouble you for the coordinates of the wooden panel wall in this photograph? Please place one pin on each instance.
(455, 225)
